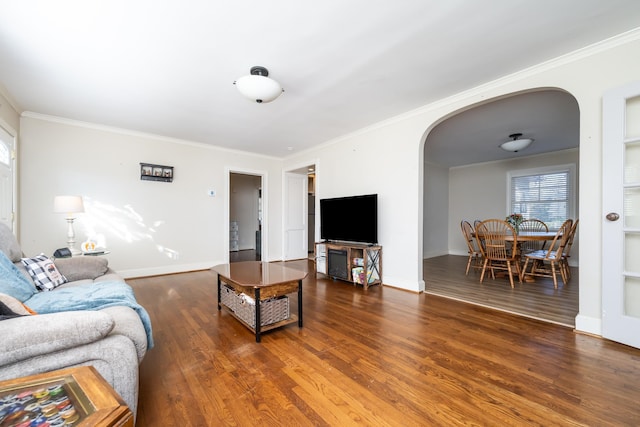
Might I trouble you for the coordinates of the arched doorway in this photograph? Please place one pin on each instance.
(466, 175)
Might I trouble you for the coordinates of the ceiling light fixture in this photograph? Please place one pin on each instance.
(258, 86)
(516, 144)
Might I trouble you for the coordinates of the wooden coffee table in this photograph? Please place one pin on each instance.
(261, 281)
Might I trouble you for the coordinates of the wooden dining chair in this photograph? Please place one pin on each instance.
(497, 251)
(475, 254)
(566, 253)
(548, 262)
(529, 225)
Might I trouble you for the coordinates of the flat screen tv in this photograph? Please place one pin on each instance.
(350, 219)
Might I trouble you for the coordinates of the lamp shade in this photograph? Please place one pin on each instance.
(258, 86)
(68, 204)
(516, 144)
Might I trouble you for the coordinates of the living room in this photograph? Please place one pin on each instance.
(158, 228)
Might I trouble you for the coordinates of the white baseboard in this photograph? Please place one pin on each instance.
(590, 325)
(169, 269)
(434, 254)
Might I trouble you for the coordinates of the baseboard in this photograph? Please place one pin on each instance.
(173, 269)
(589, 325)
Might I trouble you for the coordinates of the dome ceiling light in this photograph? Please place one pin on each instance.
(516, 144)
(258, 86)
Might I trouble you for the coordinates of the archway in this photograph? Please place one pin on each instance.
(465, 175)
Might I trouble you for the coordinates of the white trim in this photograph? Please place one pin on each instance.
(122, 131)
(169, 269)
(591, 325)
(479, 91)
(264, 238)
(13, 134)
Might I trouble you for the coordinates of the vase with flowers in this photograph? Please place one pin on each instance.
(515, 220)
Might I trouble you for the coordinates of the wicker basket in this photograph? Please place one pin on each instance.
(271, 311)
(228, 297)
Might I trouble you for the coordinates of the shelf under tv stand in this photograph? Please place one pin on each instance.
(352, 262)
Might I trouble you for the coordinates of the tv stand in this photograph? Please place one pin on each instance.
(352, 262)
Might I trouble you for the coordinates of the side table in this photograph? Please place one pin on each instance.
(77, 396)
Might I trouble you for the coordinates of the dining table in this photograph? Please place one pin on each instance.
(528, 236)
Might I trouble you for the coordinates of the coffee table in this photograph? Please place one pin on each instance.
(261, 281)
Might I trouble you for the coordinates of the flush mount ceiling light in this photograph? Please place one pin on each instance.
(258, 86)
(516, 144)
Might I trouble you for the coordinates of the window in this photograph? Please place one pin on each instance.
(546, 194)
(4, 154)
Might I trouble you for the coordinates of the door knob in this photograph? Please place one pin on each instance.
(612, 216)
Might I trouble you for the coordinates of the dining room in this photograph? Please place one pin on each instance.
(468, 176)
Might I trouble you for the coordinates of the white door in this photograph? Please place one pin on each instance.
(621, 215)
(295, 216)
(6, 178)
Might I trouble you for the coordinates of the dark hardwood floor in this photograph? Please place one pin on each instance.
(444, 276)
(381, 357)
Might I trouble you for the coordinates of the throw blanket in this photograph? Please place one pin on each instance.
(94, 296)
(13, 282)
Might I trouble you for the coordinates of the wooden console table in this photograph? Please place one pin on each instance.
(342, 260)
(79, 396)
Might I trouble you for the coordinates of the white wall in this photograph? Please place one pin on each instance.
(436, 211)
(480, 192)
(392, 153)
(150, 227)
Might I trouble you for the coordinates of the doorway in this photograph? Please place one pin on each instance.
(299, 222)
(462, 181)
(245, 217)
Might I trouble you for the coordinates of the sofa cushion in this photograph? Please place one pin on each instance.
(48, 333)
(13, 282)
(44, 272)
(82, 267)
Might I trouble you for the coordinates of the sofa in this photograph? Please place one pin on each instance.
(90, 319)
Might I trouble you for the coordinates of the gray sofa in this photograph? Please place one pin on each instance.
(112, 339)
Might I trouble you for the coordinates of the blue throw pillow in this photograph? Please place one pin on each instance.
(13, 282)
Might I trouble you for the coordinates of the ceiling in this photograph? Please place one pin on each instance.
(167, 67)
(550, 117)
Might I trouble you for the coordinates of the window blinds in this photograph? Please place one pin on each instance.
(542, 196)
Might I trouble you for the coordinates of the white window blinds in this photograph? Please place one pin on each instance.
(545, 196)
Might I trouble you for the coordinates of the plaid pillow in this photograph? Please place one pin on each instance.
(43, 272)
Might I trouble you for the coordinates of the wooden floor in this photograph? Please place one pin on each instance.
(444, 276)
(381, 357)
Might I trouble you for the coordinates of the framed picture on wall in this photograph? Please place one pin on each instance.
(153, 172)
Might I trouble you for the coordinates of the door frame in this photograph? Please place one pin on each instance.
(301, 167)
(4, 126)
(264, 237)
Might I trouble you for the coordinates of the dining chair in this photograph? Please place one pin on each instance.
(548, 262)
(529, 225)
(475, 254)
(497, 251)
(566, 254)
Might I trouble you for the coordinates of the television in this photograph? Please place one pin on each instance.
(350, 219)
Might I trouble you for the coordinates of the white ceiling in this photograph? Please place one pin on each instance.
(167, 67)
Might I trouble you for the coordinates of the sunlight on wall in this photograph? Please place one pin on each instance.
(122, 223)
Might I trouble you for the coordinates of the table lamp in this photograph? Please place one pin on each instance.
(69, 205)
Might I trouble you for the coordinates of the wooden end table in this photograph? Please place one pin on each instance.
(80, 396)
(261, 281)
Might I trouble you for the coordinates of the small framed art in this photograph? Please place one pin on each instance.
(152, 172)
